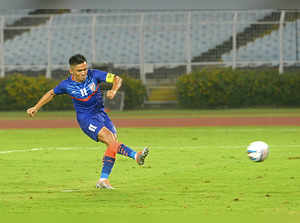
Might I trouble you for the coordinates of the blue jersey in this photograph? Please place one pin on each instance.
(87, 97)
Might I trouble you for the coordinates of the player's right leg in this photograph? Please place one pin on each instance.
(107, 137)
(100, 128)
(94, 127)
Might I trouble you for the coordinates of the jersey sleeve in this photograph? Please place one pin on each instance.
(103, 76)
(60, 88)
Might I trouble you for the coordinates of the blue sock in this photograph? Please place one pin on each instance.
(126, 151)
(108, 163)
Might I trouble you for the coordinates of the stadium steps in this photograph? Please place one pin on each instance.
(161, 97)
(250, 34)
(162, 93)
(30, 21)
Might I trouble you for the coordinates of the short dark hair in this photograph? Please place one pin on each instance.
(77, 59)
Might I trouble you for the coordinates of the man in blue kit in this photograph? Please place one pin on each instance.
(83, 87)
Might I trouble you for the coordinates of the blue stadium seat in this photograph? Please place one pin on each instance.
(267, 47)
(117, 43)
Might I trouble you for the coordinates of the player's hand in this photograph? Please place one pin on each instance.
(111, 94)
(32, 111)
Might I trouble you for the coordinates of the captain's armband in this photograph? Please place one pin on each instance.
(110, 77)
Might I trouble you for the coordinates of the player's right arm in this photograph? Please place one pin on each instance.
(44, 100)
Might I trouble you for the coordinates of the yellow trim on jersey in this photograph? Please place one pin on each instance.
(110, 77)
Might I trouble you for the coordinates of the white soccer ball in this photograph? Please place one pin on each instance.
(258, 151)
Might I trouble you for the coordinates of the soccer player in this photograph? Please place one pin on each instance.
(83, 87)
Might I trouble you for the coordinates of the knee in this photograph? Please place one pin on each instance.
(114, 145)
(112, 149)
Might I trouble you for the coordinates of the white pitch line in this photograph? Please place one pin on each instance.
(152, 147)
(70, 190)
(39, 149)
(254, 130)
(21, 150)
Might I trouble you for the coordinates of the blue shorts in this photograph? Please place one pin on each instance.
(92, 124)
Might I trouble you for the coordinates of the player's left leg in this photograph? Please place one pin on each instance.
(124, 149)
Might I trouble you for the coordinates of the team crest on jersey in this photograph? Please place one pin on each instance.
(92, 86)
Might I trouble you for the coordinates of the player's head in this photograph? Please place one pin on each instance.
(78, 67)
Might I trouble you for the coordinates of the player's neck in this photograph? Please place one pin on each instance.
(75, 79)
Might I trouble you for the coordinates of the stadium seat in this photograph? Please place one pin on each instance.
(117, 38)
(267, 47)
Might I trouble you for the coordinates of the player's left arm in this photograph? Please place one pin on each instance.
(117, 83)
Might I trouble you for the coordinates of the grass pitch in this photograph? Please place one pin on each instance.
(165, 113)
(201, 170)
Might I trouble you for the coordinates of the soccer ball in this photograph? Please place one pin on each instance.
(258, 151)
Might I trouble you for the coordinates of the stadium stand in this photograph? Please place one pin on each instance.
(248, 28)
(118, 38)
(169, 39)
(12, 15)
(267, 49)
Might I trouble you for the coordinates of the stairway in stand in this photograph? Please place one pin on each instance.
(161, 94)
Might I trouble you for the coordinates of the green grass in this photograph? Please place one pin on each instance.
(164, 113)
(190, 170)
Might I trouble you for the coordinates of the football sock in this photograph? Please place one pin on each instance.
(108, 163)
(112, 150)
(109, 157)
(126, 151)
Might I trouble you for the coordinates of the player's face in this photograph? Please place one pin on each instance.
(79, 72)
